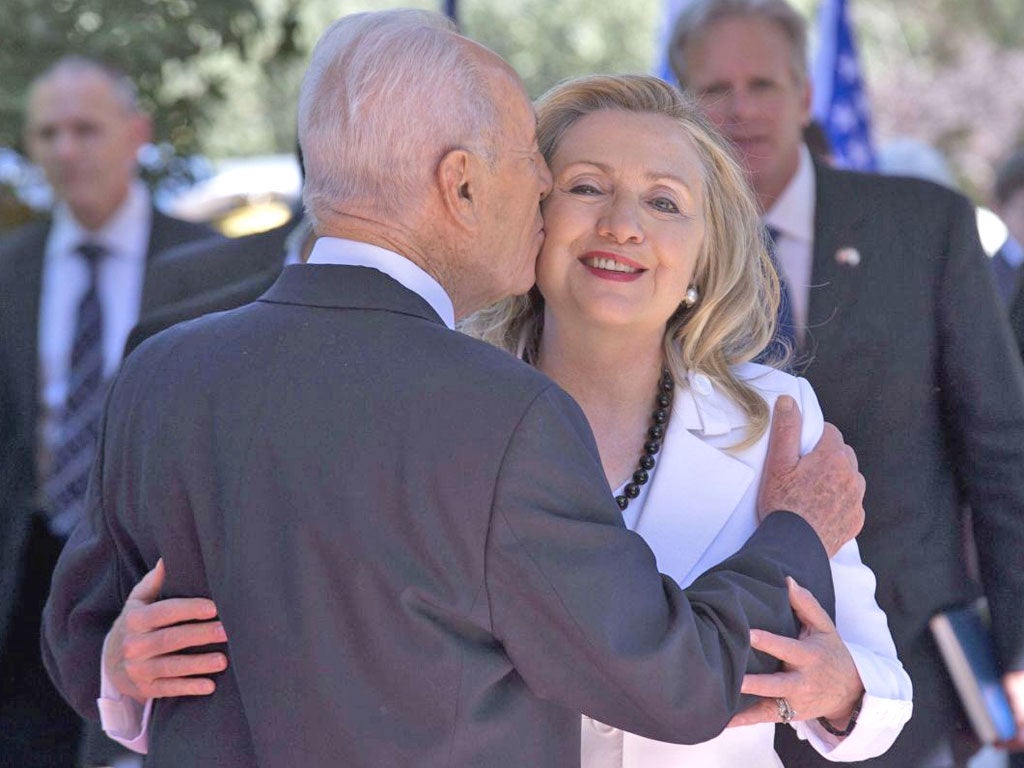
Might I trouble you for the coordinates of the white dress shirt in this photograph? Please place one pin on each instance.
(125, 720)
(120, 273)
(792, 217)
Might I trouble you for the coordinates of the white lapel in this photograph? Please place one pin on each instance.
(696, 487)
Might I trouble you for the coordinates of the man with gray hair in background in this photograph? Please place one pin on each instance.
(72, 285)
(904, 340)
(407, 533)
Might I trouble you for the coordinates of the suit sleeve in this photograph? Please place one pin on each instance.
(89, 587)
(982, 387)
(583, 614)
(863, 626)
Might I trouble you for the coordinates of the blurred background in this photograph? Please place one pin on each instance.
(220, 80)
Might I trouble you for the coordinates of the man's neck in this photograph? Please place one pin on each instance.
(95, 218)
(769, 191)
(366, 230)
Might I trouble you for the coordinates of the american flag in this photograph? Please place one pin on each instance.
(451, 10)
(840, 103)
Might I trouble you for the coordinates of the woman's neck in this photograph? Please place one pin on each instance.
(614, 378)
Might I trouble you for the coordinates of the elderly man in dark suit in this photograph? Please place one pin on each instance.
(406, 532)
(71, 287)
(905, 342)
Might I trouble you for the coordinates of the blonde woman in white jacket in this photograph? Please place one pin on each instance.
(653, 270)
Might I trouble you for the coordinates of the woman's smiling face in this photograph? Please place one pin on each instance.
(624, 221)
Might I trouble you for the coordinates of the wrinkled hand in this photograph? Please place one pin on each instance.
(823, 487)
(1013, 682)
(819, 678)
(140, 655)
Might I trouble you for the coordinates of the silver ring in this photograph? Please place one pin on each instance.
(786, 712)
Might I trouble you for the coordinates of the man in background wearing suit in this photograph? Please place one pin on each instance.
(1008, 202)
(906, 346)
(1017, 319)
(71, 288)
(217, 274)
(386, 602)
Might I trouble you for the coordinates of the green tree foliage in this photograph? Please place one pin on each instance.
(547, 42)
(945, 72)
(164, 45)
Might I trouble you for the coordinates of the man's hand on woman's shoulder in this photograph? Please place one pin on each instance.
(824, 487)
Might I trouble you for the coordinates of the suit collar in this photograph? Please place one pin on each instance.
(701, 407)
(694, 481)
(342, 287)
(161, 236)
(352, 253)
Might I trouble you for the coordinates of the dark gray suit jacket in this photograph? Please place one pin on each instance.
(211, 276)
(21, 273)
(216, 263)
(914, 362)
(1017, 319)
(411, 543)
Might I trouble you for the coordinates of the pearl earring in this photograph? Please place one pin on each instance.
(692, 295)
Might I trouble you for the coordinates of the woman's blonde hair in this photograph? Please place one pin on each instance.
(734, 318)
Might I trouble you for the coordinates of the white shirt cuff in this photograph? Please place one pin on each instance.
(886, 708)
(123, 719)
(878, 724)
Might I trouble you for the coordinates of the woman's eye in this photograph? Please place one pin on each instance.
(665, 205)
(584, 189)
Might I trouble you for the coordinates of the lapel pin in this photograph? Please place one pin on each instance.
(849, 257)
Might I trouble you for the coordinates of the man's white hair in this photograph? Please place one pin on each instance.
(386, 94)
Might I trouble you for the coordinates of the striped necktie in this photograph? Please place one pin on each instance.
(71, 459)
(785, 332)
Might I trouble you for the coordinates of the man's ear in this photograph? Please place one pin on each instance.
(141, 129)
(458, 181)
(806, 101)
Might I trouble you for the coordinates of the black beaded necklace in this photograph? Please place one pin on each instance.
(662, 408)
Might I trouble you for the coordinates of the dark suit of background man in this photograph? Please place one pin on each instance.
(909, 351)
(1017, 319)
(218, 273)
(1008, 202)
(406, 531)
(84, 129)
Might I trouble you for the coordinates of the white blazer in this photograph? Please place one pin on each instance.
(700, 508)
